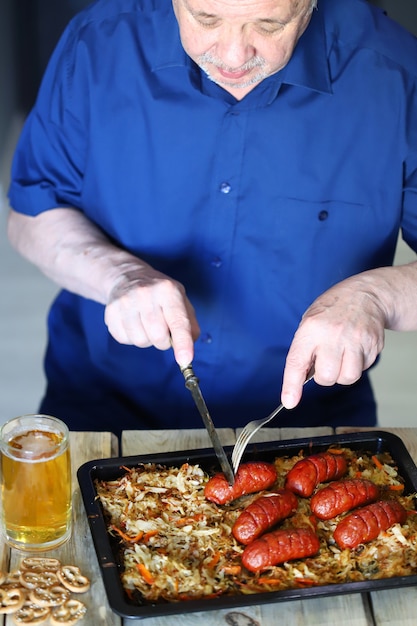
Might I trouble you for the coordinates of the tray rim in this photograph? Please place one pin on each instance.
(110, 569)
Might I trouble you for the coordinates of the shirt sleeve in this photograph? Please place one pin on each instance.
(409, 219)
(47, 169)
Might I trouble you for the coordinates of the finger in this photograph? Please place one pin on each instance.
(295, 375)
(126, 330)
(183, 347)
(350, 369)
(183, 334)
(156, 328)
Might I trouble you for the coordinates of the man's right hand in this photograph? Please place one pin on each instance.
(147, 308)
(142, 306)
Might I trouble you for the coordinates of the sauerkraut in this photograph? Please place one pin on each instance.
(175, 545)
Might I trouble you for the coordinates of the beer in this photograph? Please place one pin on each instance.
(35, 482)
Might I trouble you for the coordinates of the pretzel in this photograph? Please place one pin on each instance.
(31, 579)
(50, 596)
(31, 613)
(68, 613)
(11, 600)
(70, 576)
(12, 580)
(40, 563)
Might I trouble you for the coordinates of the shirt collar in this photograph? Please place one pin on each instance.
(308, 66)
(170, 52)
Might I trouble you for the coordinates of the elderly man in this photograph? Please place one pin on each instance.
(229, 178)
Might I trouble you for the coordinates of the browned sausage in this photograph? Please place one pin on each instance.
(306, 474)
(365, 524)
(280, 546)
(342, 496)
(264, 513)
(250, 477)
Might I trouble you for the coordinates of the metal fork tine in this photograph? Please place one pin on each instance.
(247, 433)
(251, 428)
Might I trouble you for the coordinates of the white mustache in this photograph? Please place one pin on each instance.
(249, 65)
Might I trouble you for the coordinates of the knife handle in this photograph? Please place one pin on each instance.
(189, 376)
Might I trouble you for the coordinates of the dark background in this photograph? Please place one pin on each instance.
(39, 24)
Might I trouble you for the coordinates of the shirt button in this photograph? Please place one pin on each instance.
(206, 338)
(225, 188)
(323, 215)
(216, 262)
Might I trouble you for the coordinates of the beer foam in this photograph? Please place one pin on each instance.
(35, 444)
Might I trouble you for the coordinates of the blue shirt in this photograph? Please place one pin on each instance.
(257, 206)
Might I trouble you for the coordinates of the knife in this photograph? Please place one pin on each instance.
(191, 382)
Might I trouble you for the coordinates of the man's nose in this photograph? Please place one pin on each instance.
(234, 48)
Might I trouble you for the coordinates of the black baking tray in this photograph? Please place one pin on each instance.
(107, 547)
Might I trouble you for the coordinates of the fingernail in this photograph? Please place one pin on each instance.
(183, 359)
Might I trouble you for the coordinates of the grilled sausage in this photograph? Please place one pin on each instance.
(280, 546)
(307, 473)
(264, 513)
(250, 477)
(366, 523)
(342, 496)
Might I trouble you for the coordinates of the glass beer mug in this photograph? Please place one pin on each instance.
(36, 489)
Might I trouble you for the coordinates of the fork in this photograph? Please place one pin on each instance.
(252, 427)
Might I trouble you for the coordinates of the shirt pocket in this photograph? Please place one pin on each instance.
(317, 244)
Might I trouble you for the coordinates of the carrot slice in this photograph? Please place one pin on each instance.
(305, 581)
(214, 560)
(234, 570)
(145, 573)
(149, 534)
(377, 462)
(269, 581)
(123, 535)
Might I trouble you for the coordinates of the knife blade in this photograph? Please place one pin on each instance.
(191, 382)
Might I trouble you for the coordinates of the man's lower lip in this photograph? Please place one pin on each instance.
(232, 75)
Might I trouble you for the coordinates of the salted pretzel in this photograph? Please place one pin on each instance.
(31, 613)
(31, 579)
(12, 580)
(40, 563)
(68, 613)
(72, 578)
(49, 596)
(41, 590)
(11, 600)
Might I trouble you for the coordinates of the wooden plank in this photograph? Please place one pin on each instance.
(395, 606)
(278, 434)
(340, 610)
(348, 610)
(264, 434)
(242, 616)
(301, 433)
(153, 441)
(343, 610)
(79, 550)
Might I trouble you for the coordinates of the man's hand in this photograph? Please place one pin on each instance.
(342, 332)
(147, 308)
(142, 306)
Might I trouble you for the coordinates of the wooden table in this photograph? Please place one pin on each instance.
(381, 608)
